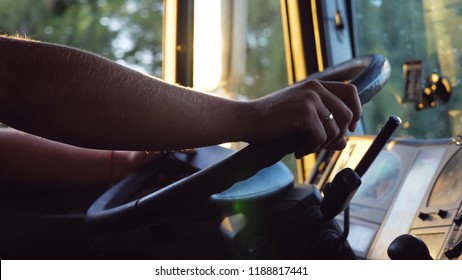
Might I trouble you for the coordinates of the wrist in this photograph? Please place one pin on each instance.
(255, 121)
(247, 122)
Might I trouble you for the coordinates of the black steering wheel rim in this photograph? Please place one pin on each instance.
(368, 73)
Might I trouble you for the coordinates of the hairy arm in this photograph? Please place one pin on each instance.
(76, 97)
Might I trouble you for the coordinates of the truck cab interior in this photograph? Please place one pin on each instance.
(394, 192)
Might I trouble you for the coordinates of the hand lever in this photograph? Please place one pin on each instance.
(379, 142)
(454, 251)
(338, 194)
(408, 247)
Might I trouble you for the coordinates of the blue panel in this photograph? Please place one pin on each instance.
(266, 182)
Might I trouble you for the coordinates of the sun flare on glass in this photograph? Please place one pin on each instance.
(207, 44)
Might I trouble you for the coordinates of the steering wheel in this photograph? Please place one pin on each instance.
(111, 212)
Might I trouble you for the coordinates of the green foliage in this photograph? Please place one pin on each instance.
(266, 67)
(407, 30)
(128, 31)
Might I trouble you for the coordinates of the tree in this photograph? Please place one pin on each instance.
(403, 30)
(129, 32)
(266, 66)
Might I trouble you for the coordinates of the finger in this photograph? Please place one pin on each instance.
(339, 145)
(309, 144)
(349, 95)
(318, 128)
(342, 115)
(329, 124)
(311, 138)
(331, 128)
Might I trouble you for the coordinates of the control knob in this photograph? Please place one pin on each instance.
(408, 247)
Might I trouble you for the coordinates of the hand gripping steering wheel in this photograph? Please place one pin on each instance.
(111, 212)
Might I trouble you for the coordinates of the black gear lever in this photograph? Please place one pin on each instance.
(408, 247)
(338, 194)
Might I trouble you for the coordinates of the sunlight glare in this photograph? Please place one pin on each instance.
(207, 44)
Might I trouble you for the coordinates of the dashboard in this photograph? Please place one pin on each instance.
(413, 187)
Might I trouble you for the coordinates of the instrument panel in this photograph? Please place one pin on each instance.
(438, 222)
(412, 187)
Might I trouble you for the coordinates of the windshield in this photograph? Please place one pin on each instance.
(129, 32)
(423, 31)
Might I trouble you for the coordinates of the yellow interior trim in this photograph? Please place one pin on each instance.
(317, 35)
(169, 40)
(288, 52)
(296, 40)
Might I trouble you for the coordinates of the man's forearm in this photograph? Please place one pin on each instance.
(79, 98)
(28, 160)
(76, 97)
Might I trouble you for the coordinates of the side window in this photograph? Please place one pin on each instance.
(242, 43)
(252, 61)
(129, 32)
(424, 30)
(266, 66)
